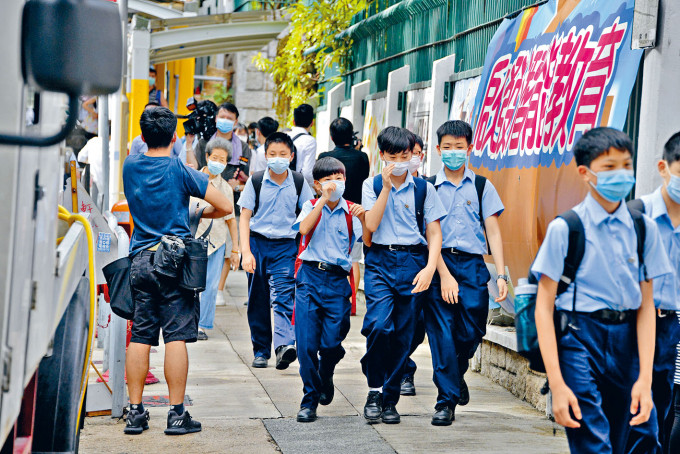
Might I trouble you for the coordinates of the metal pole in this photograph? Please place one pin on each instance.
(103, 186)
(117, 336)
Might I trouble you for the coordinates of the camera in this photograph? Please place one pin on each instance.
(355, 140)
(201, 120)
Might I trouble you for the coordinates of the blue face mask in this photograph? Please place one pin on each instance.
(215, 167)
(224, 125)
(673, 189)
(278, 165)
(454, 159)
(339, 189)
(614, 185)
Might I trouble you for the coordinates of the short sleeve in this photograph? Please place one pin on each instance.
(553, 251)
(305, 195)
(368, 196)
(491, 201)
(136, 145)
(247, 199)
(195, 182)
(307, 208)
(434, 210)
(357, 229)
(655, 254)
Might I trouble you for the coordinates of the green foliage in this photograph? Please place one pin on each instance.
(222, 94)
(313, 25)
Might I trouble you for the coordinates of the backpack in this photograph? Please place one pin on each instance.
(293, 163)
(480, 184)
(525, 322)
(257, 178)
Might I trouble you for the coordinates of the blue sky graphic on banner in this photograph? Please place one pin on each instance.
(551, 74)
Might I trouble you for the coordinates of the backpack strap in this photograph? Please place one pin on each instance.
(640, 234)
(637, 205)
(432, 180)
(257, 186)
(575, 250)
(299, 182)
(350, 230)
(304, 241)
(420, 193)
(480, 184)
(300, 135)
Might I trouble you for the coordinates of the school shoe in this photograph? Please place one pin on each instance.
(202, 336)
(136, 422)
(306, 415)
(220, 301)
(373, 409)
(285, 354)
(181, 424)
(260, 362)
(390, 415)
(327, 391)
(408, 388)
(443, 415)
(464, 393)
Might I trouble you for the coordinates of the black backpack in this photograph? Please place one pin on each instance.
(293, 163)
(257, 178)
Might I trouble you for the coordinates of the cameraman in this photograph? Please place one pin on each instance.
(238, 168)
(158, 187)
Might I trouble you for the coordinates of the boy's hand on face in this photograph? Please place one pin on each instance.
(248, 262)
(327, 191)
(641, 404)
(502, 290)
(423, 279)
(564, 400)
(357, 211)
(387, 177)
(449, 289)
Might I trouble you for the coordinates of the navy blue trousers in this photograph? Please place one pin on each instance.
(454, 331)
(600, 364)
(418, 338)
(271, 286)
(391, 314)
(322, 308)
(652, 436)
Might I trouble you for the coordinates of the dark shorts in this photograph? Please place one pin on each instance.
(161, 303)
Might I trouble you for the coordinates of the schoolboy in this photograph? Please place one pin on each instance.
(268, 250)
(663, 206)
(399, 268)
(455, 318)
(329, 228)
(598, 348)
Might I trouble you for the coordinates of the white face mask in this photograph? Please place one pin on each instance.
(414, 164)
(400, 168)
(339, 189)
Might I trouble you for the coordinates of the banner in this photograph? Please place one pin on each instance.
(463, 102)
(374, 122)
(418, 104)
(551, 74)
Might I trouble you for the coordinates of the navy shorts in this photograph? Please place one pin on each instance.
(161, 303)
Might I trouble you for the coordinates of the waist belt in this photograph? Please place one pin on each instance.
(401, 247)
(335, 269)
(610, 316)
(661, 313)
(454, 251)
(262, 237)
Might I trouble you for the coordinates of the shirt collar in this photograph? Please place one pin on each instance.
(409, 181)
(267, 176)
(599, 215)
(441, 176)
(658, 205)
(295, 130)
(342, 204)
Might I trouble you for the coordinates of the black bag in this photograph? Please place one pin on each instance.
(117, 276)
(168, 258)
(195, 268)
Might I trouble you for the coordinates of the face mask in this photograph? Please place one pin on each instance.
(673, 189)
(224, 125)
(152, 81)
(278, 165)
(339, 189)
(614, 185)
(243, 138)
(454, 159)
(215, 167)
(400, 168)
(414, 164)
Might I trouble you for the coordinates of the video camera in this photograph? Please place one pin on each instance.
(201, 120)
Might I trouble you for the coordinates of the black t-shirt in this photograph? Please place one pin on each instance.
(357, 169)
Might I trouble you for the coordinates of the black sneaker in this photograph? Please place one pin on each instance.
(136, 422)
(260, 362)
(285, 354)
(390, 415)
(181, 424)
(464, 393)
(373, 408)
(327, 391)
(202, 336)
(443, 415)
(408, 388)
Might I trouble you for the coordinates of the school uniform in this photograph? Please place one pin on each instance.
(322, 296)
(651, 435)
(272, 242)
(456, 330)
(397, 255)
(598, 351)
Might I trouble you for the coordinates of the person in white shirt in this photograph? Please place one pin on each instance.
(265, 127)
(305, 143)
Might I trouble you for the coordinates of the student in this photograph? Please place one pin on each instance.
(399, 268)
(418, 156)
(268, 250)
(265, 127)
(663, 206)
(322, 293)
(305, 143)
(598, 348)
(455, 318)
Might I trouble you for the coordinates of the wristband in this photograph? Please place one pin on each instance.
(234, 252)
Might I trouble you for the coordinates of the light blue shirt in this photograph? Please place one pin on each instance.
(609, 275)
(330, 241)
(665, 287)
(461, 227)
(276, 214)
(399, 225)
(139, 146)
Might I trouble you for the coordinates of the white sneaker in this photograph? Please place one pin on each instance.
(219, 301)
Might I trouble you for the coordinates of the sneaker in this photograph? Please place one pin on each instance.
(390, 415)
(220, 301)
(373, 408)
(285, 354)
(201, 335)
(136, 422)
(443, 415)
(181, 424)
(408, 388)
(464, 393)
(260, 362)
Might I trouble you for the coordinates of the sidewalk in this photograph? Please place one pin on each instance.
(253, 410)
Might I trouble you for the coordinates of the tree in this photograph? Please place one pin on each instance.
(309, 49)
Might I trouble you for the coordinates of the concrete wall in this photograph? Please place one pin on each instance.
(442, 70)
(253, 90)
